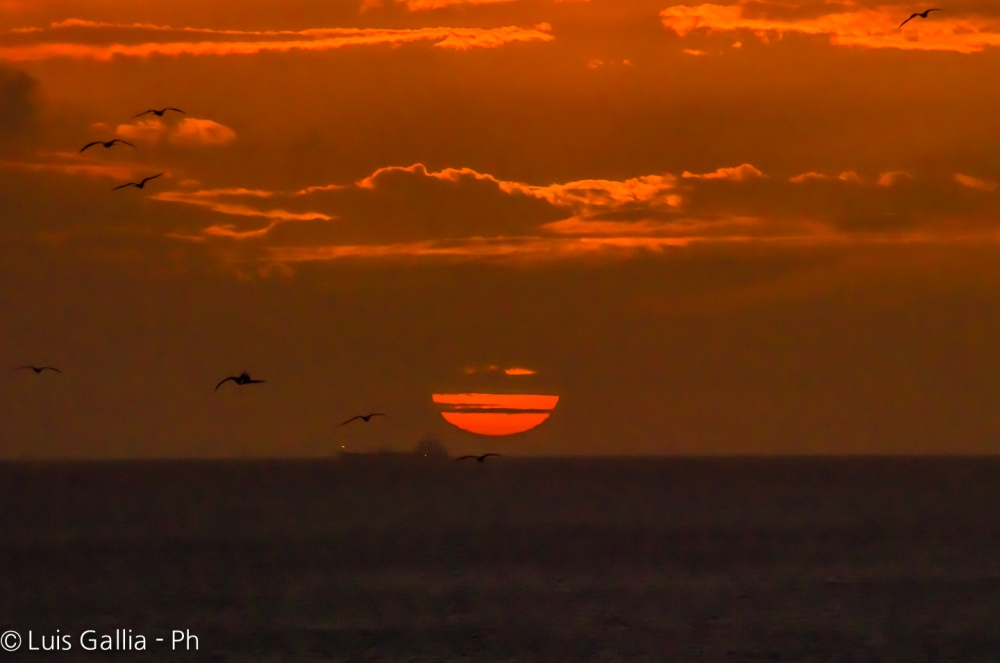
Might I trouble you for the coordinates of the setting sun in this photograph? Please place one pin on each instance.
(496, 414)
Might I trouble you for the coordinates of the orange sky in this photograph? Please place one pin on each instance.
(734, 227)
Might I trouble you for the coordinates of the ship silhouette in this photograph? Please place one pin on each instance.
(428, 450)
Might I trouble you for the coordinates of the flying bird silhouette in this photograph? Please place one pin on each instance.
(107, 143)
(242, 378)
(922, 14)
(480, 459)
(39, 369)
(366, 417)
(138, 185)
(157, 113)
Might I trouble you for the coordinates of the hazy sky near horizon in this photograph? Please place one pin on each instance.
(743, 227)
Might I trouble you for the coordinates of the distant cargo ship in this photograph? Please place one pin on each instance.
(429, 450)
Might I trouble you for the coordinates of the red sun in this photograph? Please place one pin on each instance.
(496, 414)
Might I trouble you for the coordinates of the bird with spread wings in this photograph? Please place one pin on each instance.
(241, 379)
(106, 144)
(139, 185)
(365, 417)
(157, 113)
(480, 459)
(922, 14)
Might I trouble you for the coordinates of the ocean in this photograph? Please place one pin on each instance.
(562, 560)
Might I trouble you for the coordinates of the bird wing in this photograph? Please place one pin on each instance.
(377, 414)
(225, 381)
(908, 20)
(123, 142)
(352, 419)
(125, 185)
(249, 381)
(51, 368)
(96, 142)
(464, 457)
(151, 177)
(488, 455)
(142, 113)
(20, 367)
(175, 109)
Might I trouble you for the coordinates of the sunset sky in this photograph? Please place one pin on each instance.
(740, 228)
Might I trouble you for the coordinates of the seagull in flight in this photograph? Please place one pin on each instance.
(242, 378)
(138, 185)
(107, 143)
(366, 417)
(480, 459)
(922, 14)
(39, 369)
(158, 113)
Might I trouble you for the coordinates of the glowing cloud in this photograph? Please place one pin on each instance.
(148, 132)
(190, 131)
(493, 368)
(893, 177)
(306, 40)
(586, 196)
(805, 177)
(846, 176)
(583, 196)
(74, 164)
(216, 200)
(857, 26)
(975, 183)
(605, 218)
(421, 5)
(737, 174)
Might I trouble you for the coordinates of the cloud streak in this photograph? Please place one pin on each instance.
(220, 42)
(855, 26)
(737, 174)
(971, 182)
(67, 163)
(190, 131)
(423, 5)
(376, 215)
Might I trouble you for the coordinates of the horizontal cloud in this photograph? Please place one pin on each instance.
(68, 163)
(893, 177)
(412, 212)
(974, 182)
(846, 24)
(590, 196)
(222, 42)
(216, 200)
(493, 368)
(421, 5)
(582, 196)
(737, 174)
(190, 131)
(846, 176)
(805, 177)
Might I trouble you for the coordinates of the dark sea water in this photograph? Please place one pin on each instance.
(833, 560)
